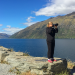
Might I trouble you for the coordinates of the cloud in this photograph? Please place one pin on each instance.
(29, 23)
(10, 30)
(1, 25)
(8, 26)
(56, 7)
(29, 18)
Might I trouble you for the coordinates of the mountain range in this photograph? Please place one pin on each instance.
(4, 36)
(66, 28)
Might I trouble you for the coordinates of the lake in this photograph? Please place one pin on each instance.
(64, 48)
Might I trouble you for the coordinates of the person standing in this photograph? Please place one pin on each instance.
(50, 32)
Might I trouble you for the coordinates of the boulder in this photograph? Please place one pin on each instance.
(3, 54)
(42, 66)
(38, 65)
(15, 53)
(3, 48)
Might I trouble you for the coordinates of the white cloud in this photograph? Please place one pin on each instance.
(29, 23)
(10, 30)
(57, 7)
(29, 18)
(1, 25)
(8, 26)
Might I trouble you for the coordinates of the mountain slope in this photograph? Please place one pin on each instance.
(3, 36)
(66, 28)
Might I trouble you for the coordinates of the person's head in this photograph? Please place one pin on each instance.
(49, 24)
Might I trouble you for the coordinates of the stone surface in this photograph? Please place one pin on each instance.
(4, 69)
(38, 65)
(3, 54)
(3, 48)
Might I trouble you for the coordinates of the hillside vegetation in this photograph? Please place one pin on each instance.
(66, 28)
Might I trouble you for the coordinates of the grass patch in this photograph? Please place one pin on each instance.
(26, 54)
(66, 72)
(70, 64)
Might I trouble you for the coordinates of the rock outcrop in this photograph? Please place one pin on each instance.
(38, 65)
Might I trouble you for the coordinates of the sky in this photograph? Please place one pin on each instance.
(16, 15)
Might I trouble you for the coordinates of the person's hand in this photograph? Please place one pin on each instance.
(55, 26)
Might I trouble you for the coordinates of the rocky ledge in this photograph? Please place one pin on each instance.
(38, 65)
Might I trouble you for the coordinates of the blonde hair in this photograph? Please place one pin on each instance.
(49, 23)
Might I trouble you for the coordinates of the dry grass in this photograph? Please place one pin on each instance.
(28, 73)
(66, 72)
(70, 64)
(4, 62)
(11, 49)
(26, 54)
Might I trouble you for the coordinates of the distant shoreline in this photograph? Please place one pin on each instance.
(35, 38)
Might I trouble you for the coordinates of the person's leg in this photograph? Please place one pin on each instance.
(52, 49)
(49, 50)
(53, 46)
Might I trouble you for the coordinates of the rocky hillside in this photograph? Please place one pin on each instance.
(3, 36)
(66, 28)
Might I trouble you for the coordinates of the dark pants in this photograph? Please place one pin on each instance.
(51, 46)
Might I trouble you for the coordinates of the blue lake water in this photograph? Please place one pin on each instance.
(64, 48)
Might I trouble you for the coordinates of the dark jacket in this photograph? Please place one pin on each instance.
(50, 32)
